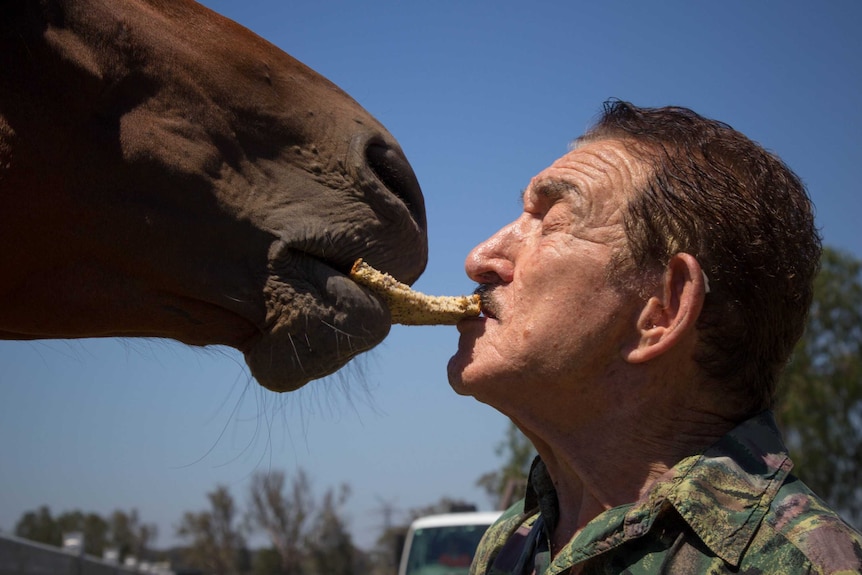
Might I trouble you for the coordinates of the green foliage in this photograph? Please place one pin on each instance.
(309, 536)
(330, 544)
(40, 526)
(121, 530)
(129, 535)
(506, 485)
(216, 543)
(266, 562)
(94, 528)
(820, 407)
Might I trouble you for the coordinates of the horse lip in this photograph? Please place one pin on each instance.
(285, 355)
(307, 249)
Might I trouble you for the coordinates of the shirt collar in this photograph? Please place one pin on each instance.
(722, 493)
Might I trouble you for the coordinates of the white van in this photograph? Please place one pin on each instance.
(444, 544)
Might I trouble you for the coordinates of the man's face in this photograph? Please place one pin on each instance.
(551, 316)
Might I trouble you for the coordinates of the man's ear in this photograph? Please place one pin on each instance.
(671, 313)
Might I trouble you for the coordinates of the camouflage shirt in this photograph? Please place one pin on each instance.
(733, 509)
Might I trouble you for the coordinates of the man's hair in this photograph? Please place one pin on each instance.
(745, 216)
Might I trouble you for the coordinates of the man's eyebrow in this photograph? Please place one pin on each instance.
(552, 189)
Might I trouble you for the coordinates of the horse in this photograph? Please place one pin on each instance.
(165, 172)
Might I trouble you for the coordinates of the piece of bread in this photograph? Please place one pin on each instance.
(409, 307)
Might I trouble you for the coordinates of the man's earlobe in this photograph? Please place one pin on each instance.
(669, 316)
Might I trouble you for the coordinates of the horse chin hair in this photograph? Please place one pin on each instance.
(331, 395)
(258, 419)
(265, 423)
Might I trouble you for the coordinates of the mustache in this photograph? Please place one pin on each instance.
(487, 302)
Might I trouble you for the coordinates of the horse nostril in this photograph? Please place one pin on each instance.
(394, 171)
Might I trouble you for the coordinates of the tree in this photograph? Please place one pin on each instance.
(383, 558)
(121, 530)
(266, 562)
(39, 526)
(93, 527)
(282, 516)
(128, 535)
(302, 531)
(215, 540)
(329, 540)
(820, 407)
(506, 485)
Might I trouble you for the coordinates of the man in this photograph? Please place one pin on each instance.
(637, 315)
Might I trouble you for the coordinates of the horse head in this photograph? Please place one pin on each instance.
(164, 172)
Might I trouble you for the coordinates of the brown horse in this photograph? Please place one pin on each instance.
(164, 172)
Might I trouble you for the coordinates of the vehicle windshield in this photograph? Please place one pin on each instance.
(443, 550)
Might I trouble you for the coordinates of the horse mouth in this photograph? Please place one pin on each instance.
(317, 320)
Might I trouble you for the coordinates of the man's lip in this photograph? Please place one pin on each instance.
(487, 313)
(471, 324)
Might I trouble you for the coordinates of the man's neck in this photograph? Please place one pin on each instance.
(601, 463)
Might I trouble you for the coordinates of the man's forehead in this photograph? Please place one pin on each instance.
(588, 164)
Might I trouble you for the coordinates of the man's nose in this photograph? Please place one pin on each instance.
(491, 262)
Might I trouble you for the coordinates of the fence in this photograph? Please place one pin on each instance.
(23, 557)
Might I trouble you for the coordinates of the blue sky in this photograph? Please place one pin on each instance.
(481, 96)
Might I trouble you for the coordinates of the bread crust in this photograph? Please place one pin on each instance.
(409, 307)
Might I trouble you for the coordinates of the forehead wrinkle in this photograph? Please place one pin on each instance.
(616, 163)
(609, 156)
(593, 172)
(585, 166)
(603, 163)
